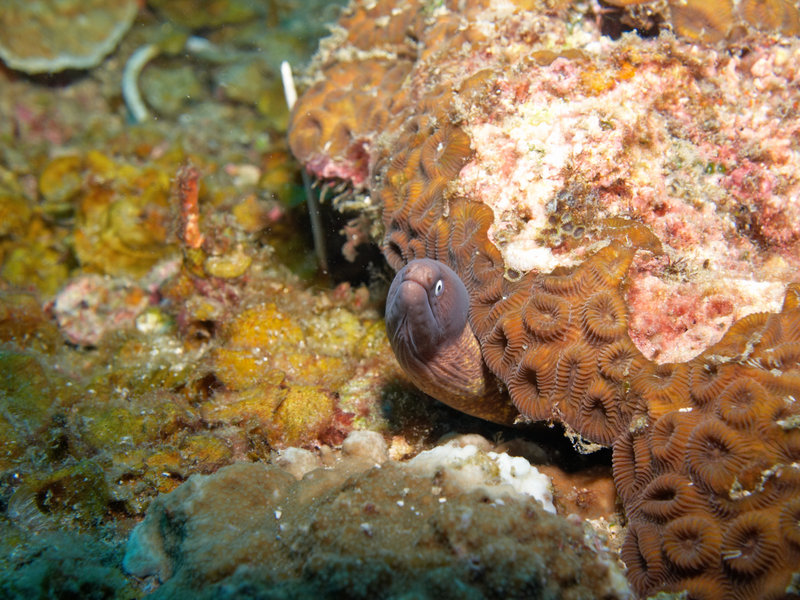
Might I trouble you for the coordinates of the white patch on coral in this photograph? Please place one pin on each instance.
(496, 473)
(524, 254)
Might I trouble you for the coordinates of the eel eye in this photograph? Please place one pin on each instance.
(438, 288)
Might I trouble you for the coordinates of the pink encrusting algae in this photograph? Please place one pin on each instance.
(698, 145)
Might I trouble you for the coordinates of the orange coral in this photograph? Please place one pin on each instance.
(714, 20)
(701, 19)
(691, 543)
(705, 452)
(771, 15)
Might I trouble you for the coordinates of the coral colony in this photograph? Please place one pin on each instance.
(625, 215)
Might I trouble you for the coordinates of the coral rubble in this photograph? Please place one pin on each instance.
(623, 214)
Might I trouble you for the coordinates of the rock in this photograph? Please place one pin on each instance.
(297, 461)
(382, 532)
(50, 36)
(368, 445)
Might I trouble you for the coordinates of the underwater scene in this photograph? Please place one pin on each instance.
(400, 299)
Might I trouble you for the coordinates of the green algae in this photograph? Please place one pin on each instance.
(29, 397)
(77, 492)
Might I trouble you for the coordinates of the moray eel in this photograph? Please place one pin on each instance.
(426, 321)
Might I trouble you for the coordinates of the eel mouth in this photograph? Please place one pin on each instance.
(417, 321)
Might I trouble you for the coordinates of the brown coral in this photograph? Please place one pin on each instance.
(664, 386)
(340, 120)
(691, 543)
(716, 454)
(771, 15)
(546, 316)
(604, 317)
(632, 464)
(707, 379)
(744, 402)
(704, 452)
(790, 521)
(668, 497)
(642, 554)
(700, 19)
(669, 436)
(599, 411)
(715, 20)
(751, 543)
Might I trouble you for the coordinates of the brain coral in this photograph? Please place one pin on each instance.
(625, 217)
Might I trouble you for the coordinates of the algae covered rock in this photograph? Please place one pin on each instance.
(457, 523)
(215, 13)
(73, 495)
(29, 398)
(123, 220)
(64, 565)
(52, 35)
